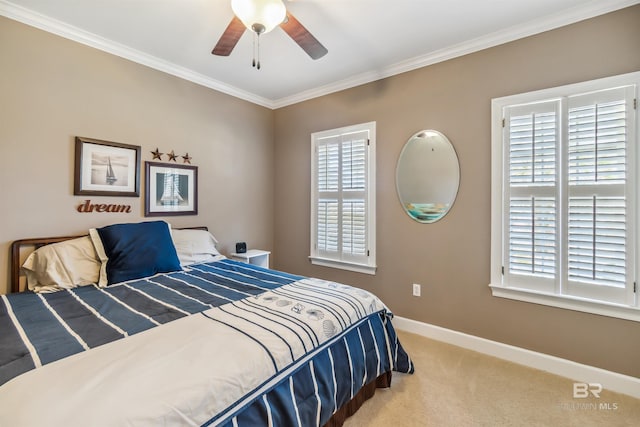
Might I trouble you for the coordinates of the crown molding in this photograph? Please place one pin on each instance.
(570, 16)
(43, 22)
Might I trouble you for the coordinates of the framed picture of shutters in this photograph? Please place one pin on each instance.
(105, 168)
(170, 189)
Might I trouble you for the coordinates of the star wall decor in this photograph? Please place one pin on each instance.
(171, 156)
(157, 154)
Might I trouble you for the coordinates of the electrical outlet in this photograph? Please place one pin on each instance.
(417, 290)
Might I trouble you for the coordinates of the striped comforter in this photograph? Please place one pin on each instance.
(239, 345)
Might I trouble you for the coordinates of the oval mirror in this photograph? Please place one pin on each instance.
(427, 176)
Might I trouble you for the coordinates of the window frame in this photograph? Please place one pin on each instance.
(499, 158)
(366, 264)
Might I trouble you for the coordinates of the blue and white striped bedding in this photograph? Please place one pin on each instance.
(263, 348)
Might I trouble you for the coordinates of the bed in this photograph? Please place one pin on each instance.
(142, 325)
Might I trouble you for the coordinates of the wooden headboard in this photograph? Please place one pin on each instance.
(35, 243)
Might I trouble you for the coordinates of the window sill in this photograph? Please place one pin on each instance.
(359, 268)
(567, 302)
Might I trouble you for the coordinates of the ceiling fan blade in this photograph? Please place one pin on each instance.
(229, 38)
(303, 37)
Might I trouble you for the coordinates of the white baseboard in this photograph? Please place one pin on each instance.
(566, 368)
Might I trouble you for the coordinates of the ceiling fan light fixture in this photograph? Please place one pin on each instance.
(260, 16)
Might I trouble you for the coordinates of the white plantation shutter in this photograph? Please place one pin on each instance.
(327, 225)
(597, 140)
(343, 203)
(328, 166)
(597, 240)
(354, 230)
(328, 176)
(533, 142)
(531, 212)
(566, 211)
(532, 236)
(597, 234)
(354, 213)
(354, 162)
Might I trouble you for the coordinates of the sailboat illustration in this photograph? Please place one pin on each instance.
(111, 176)
(171, 194)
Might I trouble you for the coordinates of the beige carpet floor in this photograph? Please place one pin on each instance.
(456, 387)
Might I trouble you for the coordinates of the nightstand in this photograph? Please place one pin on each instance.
(253, 256)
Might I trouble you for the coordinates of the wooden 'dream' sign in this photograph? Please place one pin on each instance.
(88, 207)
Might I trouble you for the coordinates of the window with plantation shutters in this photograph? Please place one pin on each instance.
(343, 198)
(564, 197)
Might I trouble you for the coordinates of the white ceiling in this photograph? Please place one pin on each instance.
(366, 39)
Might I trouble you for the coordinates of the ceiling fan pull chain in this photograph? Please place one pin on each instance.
(253, 63)
(256, 51)
(258, 66)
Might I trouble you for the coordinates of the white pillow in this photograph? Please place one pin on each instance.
(102, 256)
(62, 265)
(194, 246)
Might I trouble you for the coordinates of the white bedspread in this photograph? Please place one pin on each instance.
(188, 370)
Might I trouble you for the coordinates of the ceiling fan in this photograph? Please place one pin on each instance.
(260, 17)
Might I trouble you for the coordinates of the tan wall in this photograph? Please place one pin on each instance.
(451, 258)
(52, 89)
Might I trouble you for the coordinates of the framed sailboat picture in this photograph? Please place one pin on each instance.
(170, 189)
(105, 168)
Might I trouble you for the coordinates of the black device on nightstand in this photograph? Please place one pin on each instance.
(241, 247)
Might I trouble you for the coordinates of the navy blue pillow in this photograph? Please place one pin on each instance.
(138, 250)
